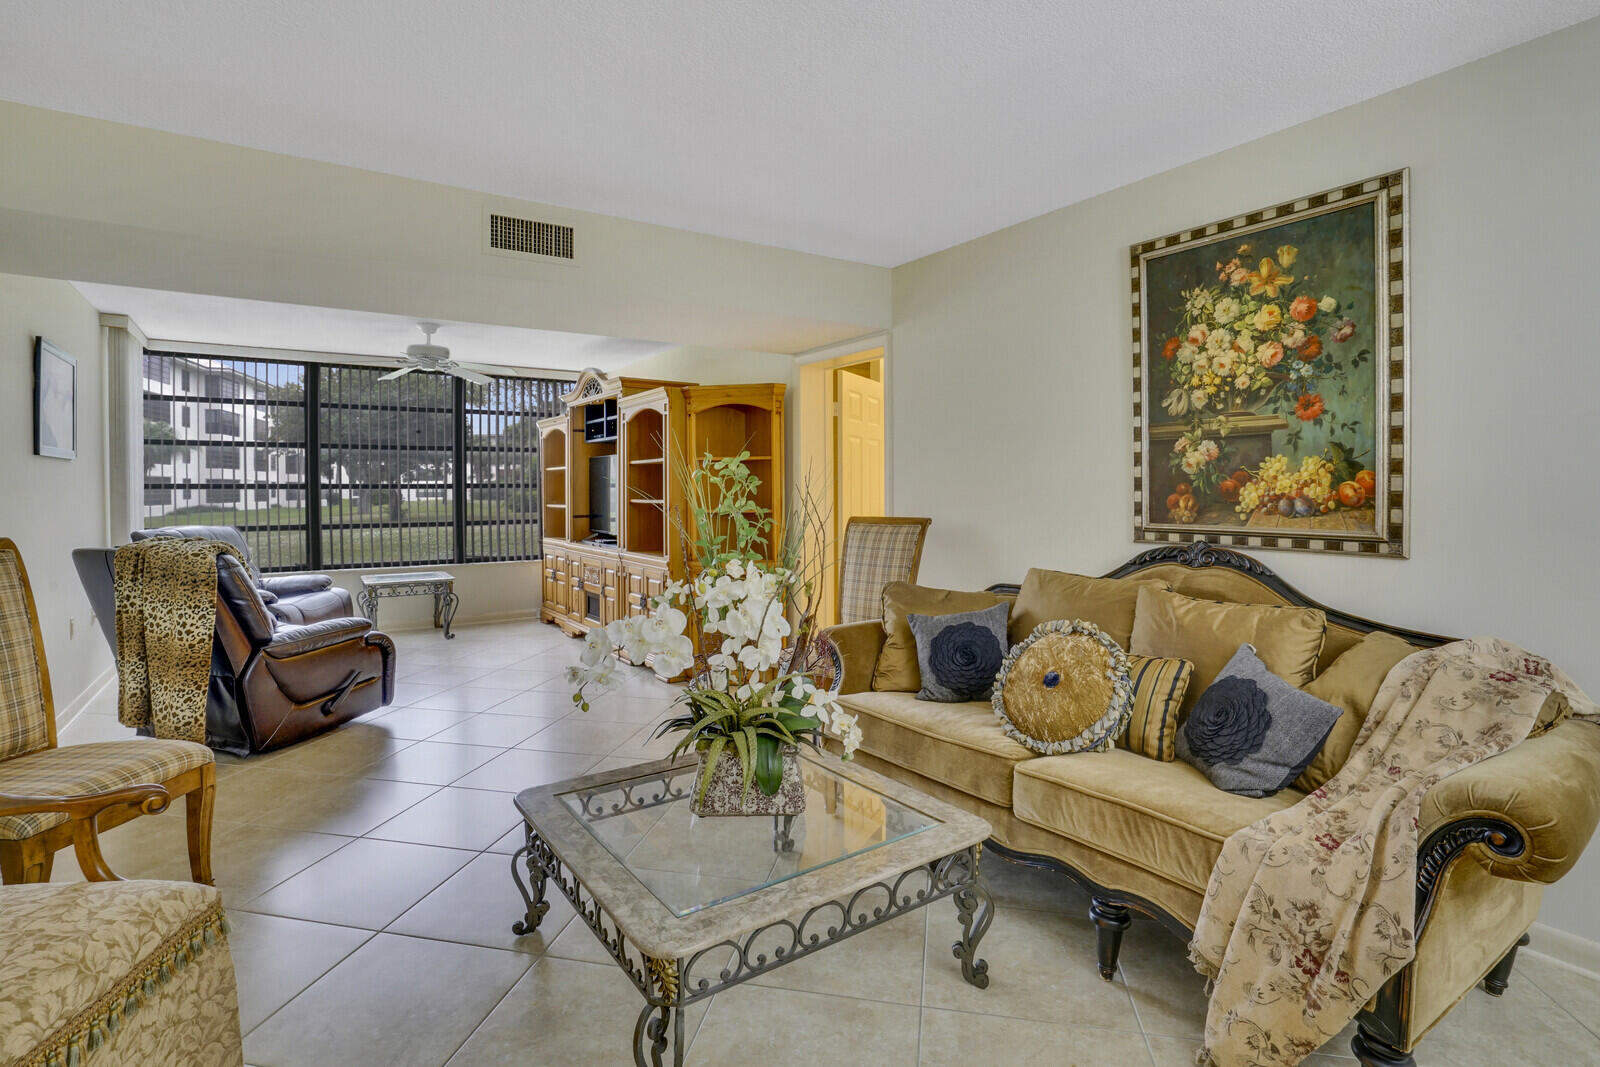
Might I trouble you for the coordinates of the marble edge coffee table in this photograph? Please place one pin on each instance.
(664, 950)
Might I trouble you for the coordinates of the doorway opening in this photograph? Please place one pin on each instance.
(842, 447)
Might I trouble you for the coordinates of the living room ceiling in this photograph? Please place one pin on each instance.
(877, 132)
(294, 328)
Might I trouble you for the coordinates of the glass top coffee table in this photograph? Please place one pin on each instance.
(690, 906)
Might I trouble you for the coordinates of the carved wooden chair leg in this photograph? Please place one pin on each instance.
(24, 862)
(1373, 1051)
(1495, 982)
(198, 805)
(1110, 920)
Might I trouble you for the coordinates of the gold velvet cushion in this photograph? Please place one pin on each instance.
(1164, 818)
(897, 661)
(1064, 688)
(959, 745)
(1349, 683)
(1158, 689)
(1106, 602)
(1207, 634)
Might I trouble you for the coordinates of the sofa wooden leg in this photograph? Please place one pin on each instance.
(1110, 920)
(1373, 1051)
(1495, 982)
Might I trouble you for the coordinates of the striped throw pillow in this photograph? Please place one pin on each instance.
(1158, 688)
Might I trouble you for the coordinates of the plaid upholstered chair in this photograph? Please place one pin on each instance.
(34, 769)
(876, 550)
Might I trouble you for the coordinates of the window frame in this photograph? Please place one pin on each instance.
(532, 399)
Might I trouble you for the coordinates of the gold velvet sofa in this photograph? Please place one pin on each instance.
(1141, 836)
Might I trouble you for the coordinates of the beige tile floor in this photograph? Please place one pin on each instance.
(367, 876)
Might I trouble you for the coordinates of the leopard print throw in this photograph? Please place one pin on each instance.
(1310, 910)
(166, 596)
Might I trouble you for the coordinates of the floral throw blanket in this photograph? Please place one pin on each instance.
(1310, 910)
(166, 597)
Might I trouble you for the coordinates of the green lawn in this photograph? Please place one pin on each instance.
(285, 548)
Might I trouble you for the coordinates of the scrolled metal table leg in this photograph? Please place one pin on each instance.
(533, 893)
(650, 1034)
(368, 603)
(450, 603)
(782, 839)
(976, 908)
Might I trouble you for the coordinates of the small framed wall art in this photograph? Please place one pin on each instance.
(1270, 376)
(55, 401)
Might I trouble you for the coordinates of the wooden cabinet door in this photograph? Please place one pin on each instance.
(636, 596)
(554, 589)
(555, 583)
(611, 608)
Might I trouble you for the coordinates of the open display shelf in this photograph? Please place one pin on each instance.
(646, 522)
(648, 426)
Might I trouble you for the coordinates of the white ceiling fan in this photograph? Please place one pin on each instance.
(436, 358)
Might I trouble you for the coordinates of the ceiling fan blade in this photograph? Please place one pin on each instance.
(396, 374)
(471, 376)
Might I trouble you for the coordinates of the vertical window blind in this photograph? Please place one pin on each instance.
(326, 466)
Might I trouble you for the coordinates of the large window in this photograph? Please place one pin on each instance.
(422, 469)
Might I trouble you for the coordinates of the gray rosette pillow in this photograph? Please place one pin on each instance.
(1251, 732)
(1064, 688)
(959, 654)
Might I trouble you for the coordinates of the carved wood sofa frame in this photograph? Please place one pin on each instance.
(1382, 1027)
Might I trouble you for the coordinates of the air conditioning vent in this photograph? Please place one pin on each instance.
(510, 234)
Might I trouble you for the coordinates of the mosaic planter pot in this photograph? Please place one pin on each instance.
(726, 795)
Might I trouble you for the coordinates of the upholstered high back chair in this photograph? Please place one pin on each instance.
(876, 550)
(33, 768)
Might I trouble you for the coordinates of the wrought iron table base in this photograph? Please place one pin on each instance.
(445, 601)
(665, 983)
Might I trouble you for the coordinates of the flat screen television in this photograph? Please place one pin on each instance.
(603, 498)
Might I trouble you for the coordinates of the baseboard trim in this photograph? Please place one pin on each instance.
(73, 708)
(1569, 950)
(520, 615)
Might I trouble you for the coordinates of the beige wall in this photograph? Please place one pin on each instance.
(1012, 419)
(90, 200)
(51, 506)
(489, 592)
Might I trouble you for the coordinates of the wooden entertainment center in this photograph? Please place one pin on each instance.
(607, 490)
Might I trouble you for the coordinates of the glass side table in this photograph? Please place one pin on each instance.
(437, 584)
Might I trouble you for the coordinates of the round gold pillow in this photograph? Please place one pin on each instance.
(1064, 688)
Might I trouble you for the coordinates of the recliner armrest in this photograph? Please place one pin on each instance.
(290, 641)
(1547, 787)
(295, 584)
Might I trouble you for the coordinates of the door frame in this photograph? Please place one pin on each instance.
(844, 354)
(811, 425)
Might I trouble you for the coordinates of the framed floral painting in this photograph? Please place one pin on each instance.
(1269, 368)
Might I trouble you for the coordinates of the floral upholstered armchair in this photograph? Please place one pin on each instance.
(136, 973)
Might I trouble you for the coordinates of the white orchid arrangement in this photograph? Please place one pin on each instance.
(732, 627)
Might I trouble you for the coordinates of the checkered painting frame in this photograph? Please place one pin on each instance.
(1391, 538)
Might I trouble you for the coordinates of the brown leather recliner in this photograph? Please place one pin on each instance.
(272, 683)
(296, 598)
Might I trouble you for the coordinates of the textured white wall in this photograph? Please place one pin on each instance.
(714, 366)
(1011, 404)
(97, 201)
(51, 506)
